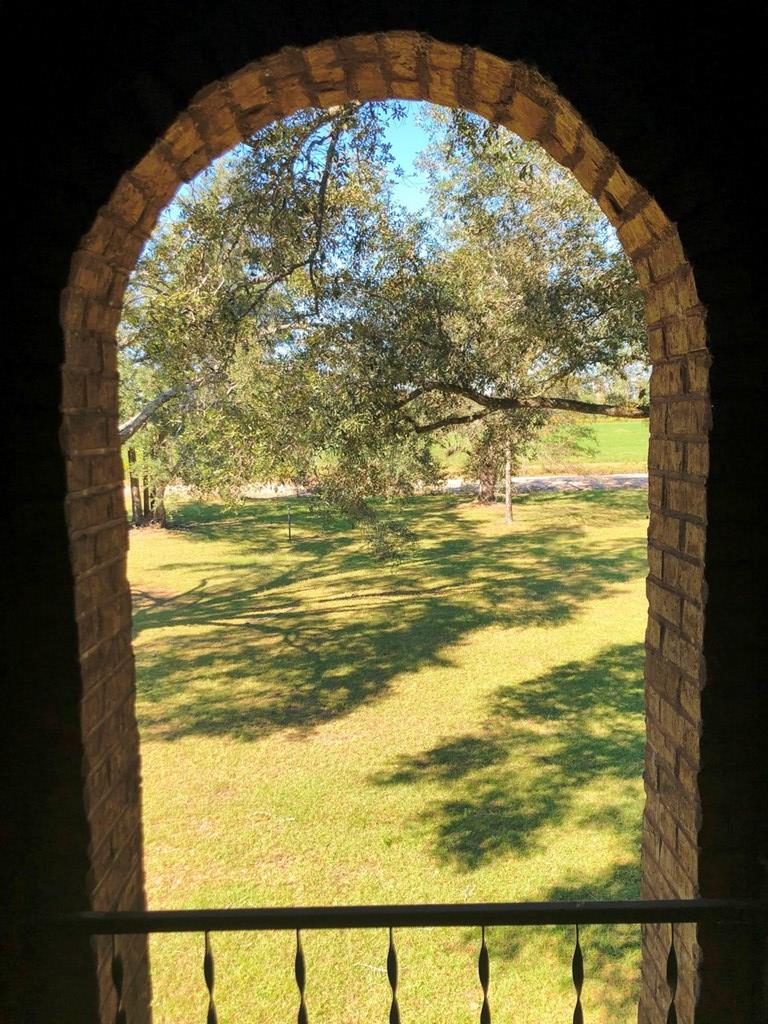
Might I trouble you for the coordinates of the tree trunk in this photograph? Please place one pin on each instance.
(158, 507)
(486, 492)
(508, 486)
(154, 505)
(137, 511)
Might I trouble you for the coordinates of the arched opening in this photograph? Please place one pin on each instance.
(410, 66)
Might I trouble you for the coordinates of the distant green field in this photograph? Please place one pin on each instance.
(621, 441)
(617, 446)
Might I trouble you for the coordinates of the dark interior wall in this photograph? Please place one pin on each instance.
(671, 96)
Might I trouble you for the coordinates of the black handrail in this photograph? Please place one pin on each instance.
(439, 915)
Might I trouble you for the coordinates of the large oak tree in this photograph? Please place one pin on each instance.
(289, 320)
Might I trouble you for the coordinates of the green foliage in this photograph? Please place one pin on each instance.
(290, 322)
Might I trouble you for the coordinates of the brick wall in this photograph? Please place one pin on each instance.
(411, 66)
(667, 95)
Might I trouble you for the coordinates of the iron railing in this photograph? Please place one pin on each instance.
(388, 918)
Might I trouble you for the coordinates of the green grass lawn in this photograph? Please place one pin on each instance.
(466, 726)
(619, 446)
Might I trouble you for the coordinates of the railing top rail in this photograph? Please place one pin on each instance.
(415, 916)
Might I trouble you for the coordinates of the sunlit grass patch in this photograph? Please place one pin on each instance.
(466, 726)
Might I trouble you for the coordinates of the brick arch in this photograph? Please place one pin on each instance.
(399, 65)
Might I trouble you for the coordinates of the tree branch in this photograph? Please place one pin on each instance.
(143, 416)
(330, 158)
(497, 402)
(447, 421)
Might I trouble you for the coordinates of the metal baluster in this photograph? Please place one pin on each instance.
(577, 973)
(484, 970)
(672, 977)
(208, 972)
(117, 983)
(394, 1010)
(300, 971)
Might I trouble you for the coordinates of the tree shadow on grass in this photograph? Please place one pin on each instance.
(611, 953)
(543, 742)
(293, 641)
(505, 788)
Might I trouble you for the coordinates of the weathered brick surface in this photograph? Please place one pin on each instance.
(397, 64)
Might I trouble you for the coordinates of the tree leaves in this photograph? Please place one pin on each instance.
(304, 326)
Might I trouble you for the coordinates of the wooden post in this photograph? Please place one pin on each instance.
(508, 486)
(137, 512)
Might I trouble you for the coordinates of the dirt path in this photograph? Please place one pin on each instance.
(530, 484)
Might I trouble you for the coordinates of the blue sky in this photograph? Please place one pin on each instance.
(407, 138)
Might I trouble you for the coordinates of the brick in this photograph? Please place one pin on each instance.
(183, 139)
(91, 273)
(635, 234)
(667, 257)
(655, 218)
(653, 634)
(656, 345)
(322, 59)
(526, 117)
(692, 623)
(694, 538)
(656, 561)
(687, 497)
(442, 87)
(662, 677)
(106, 468)
(407, 90)
(664, 602)
(366, 47)
(128, 201)
(589, 166)
(686, 289)
(78, 472)
(101, 393)
(696, 330)
(655, 491)
(621, 191)
(688, 417)
(563, 133)
(697, 458)
(444, 56)
(291, 94)
(658, 418)
(195, 163)
(664, 529)
(157, 174)
(697, 366)
(491, 77)
(86, 430)
(690, 702)
(247, 89)
(643, 271)
(666, 455)
(683, 576)
(371, 84)
(73, 390)
(215, 119)
(668, 379)
(684, 655)
(400, 49)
